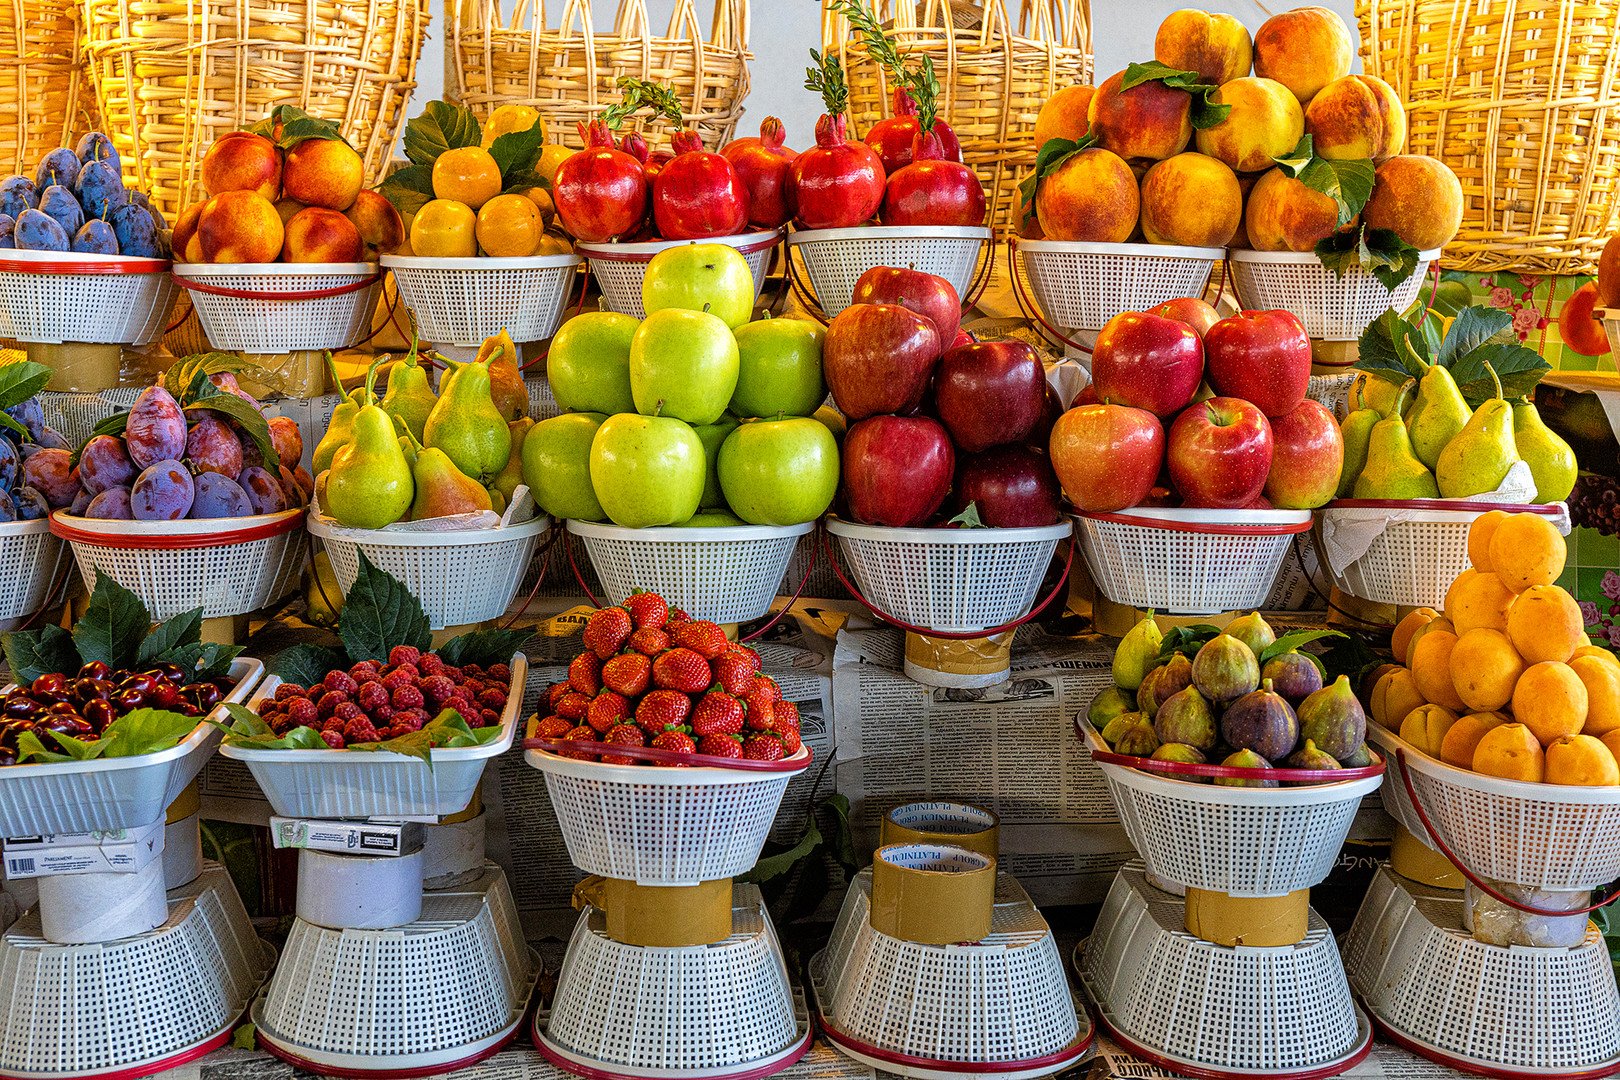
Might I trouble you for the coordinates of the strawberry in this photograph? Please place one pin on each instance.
(585, 674)
(768, 684)
(607, 709)
(704, 638)
(746, 653)
(554, 693)
(717, 713)
(681, 669)
(726, 746)
(786, 714)
(761, 714)
(606, 631)
(623, 735)
(573, 706)
(789, 734)
(763, 747)
(552, 727)
(660, 710)
(733, 672)
(627, 674)
(579, 734)
(678, 741)
(648, 611)
(677, 615)
(649, 642)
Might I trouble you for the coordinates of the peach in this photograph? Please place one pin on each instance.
(242, 161)
(1214, 45)
(1147, 121)
(1608, 275)
(1091, 197)
(185, 230)
(1265, 123)
(1418, 199)
(1192, 200)
(1358, 116)
(1240, 239)
(324, 172)
(286, 208)
(318, 235)
(239, 227)
(1065, 115)
(1285, 215)
(1510, 751)
(1304, 49)
(378, 223)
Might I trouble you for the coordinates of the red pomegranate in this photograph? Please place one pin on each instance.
(600, 192)
(932, 191)
(836, 184)
(763, 165)
(698, 194)
(652, 162)
(892, 139)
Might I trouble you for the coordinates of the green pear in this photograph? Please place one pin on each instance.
(511, 474)
(369, 484)
(1356, 430)
(340, 427)
(1393, 470)
(1478, 459)
(1137, 651)
(407, 445)
(443, 490)
(409, 397)
(497, 501)
(465, 423)
(1550, 458)
(1379, 393)
(712, 436)
(1437, 415)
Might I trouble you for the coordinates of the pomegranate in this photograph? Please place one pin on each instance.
(698, 194)
(762, 164)
(652, 162)
(894, 138)
(600, 192)
(932, 191)
(836, 183)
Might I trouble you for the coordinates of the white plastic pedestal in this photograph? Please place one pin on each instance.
(1485, 1009)
(1207, 1010)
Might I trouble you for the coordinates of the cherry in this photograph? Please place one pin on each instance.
(98, 713)
(49, 684)
(95, 669)
(128, 699)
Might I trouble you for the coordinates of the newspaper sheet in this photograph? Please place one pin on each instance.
(1384, 1062)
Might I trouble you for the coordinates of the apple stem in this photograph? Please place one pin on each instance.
(705, 309)
(659, 408)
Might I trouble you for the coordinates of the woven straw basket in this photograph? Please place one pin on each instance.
(171, 76)
(570, 72)
(1522, 99)
(994, 76)
(41, 106)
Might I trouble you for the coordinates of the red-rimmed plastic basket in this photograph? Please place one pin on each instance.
(1330, 306)
(1188, 561)
(31, 567)
(619, 268)
(226, 566)
(273, 308)
(461, 302)
(49, 297)
(835, 259)
(1080, 286)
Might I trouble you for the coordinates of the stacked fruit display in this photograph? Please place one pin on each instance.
(288, 189)
(693, 416)
(1505, 682)
(1246, 699)
(654, 677)
(77, 202)
(1251, 441)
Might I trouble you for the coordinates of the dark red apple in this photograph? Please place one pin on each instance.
(1190, 310)
(1087, 396)
(1013, 486)
(1107, 457)
(878, 358)
(990, 392)
(929, 295)
(1306, 458)
(1260, 356)
(897, 470)
(1219, 453)
(1040, 436)
(1147, 362)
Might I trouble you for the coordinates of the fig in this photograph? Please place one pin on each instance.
(1245, 759)
(1333, 719)
(1253, 631)
(1137, 651)
(1225, 669)
(1137, 740)
(1164, 681)
(1183, 753)
(1186, 718)
(1359, 758)
(1293, 675)
(1108, 704)
(1309, 757)
(1116, 727)
(1262, 722)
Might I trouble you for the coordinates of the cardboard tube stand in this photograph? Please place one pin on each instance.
(453, 853)
(660, 916)
(943, 823)
(359, 892)
(182, 851)
(82, 909)
(932, 894)
(1416, 861)
(1255, 921)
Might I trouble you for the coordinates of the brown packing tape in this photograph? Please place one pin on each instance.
(966, 662)
(299, 374)
(77, 367)
(933, 894)
(188, 802)
(660, 916)
(1255, 921)
(943, 823)
(1410, 858)
(1333, 357)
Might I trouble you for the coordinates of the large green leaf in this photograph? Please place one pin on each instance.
(114, 624)
(1389, 258)
(247, 418)
(46, 651)
(1378, 353)
(483, 647)
(378, 614)
(1348, 183)
(409, 189)
(517, 152)
(168, 637)
(296, 126)
(1205, 113)
(1048, 159)
(1519, 369)
(306, 665)
(442, 126)
(21, 381)
(1473, 327)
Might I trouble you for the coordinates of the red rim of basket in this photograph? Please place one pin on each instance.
(1459, 505)
(1313, 777)
(308, 294)
(133, 1072)
(1213, 528)
(607, 254)
(158, 541)
(794, 1053)
(1070, 1053)
(1474, 879)
(1462, 1064)
(670, 757)
(67, 266)
(1203, 1072)
(392, 1074)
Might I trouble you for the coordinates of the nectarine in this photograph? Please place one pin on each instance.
(1358, 116)
(239, 227)
(318, 235)
(242, 161)
(1149, 120)
(1418, 198)
(1304, 49)
(1064, 116)
(1192, 200)
(185, 230)
(324, 172)
(378, 223)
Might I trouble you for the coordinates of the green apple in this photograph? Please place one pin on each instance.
(556, 458)
(700, 277)
(833, 419)
(647, 470)
(779, 472)
(683, 365)
(712, 519)
(589, 363)
(711, 436)
(779, 368)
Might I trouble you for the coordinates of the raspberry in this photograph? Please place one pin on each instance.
(789, 734)
(332, 723)
(763, 747)
(733, 672)
(408, 720)
(607, 709)
(333, 739)
(760, 713)
(579, 734)
(410, 671)
(436, 690)
(649, 642)
(382, 714)
(302, 712)
(430, 664)
(500, 673)
(553, 695)
(585, 673)
(407, 697)
(573, 706)
(360, 731)
(725, 746)
(341, 680)
(660, 710)
(647, 610)
(453, 674)
(552, 727)
(364, 670)
(704, 638)
(290, 690)
(400, 655)
(681, 669)
(628, 674)
(475, 671)
(396, 679)
(623, 735)
(370, 695)
(717, 713)
(486, 718)
(348, 711)
(493, 699)
(329, 702)
(606, 631)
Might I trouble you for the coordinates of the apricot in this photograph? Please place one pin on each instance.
(1304, 49)
(1550, 700)
(1526, 550)
(1594, 650)
(1147, 121)
(1612, 741)
(1462, 738)
(1065, 115)
(1091, 197)
(1285, 215)
(242, 161)
(1484, 669)
(1580, 759)
(239, 227)
(1375, 700)
(1478, 600)
(1415, 619)
(1192, 200)
(1431, 669)
(378, 223)
(324, 172)
(1511, 752)
(1266, 122)
(1602, 681)
(1358, 116)
(1417, 198)
(1425, 728)
(1401, 697)
(1479, 539)
(1213, 44)
(1545, 623)
(1431, 626)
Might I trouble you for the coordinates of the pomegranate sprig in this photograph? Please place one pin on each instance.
(920, 82)
(641, 94)
(827, 79)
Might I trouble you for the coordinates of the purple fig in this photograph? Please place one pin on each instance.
(1263, 722)
(1293, 675)
(1162, 682)
(1186, 718)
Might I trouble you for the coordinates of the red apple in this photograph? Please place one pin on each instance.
(878, 358)
(1040, 436)
(929, 295)
(1190, 310)
(1013, 486)
(1086, 396)
(990, 392)
(1220, 453)
(1260, 356)
(1306, 457)
(1107, 456)
(1578, 324)
(1147, 362)
(897, 470)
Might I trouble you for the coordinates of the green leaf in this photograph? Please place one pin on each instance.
(296, 126)
(776, 865)
(111, 425)
(34, 749)
(1347, 183)
(306, 665)
(1473, 327)
(483, 647)
(639, 94)
(248, 418)
(843, 837)
(1519, 369)
(29, 748)
(517, 151)
(247, 730)
(1205, 113)
(11, 423)
(969, 518)
(521, 180)
(378, 614)
(113, 625)
(1300, 156)
(205, 659)
(46, 651)
(145, 731)
(827, 79)
(21, 381)
(1186, 640)
(442, 126)
(1051, 156)
(1389, 258)
(185, 379)
(409, 189)
(1378, 354)
(165, 638)
(1292, 641)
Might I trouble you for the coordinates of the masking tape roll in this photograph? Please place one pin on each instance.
(1416, 861)
(954, 823)
(81, 909)
(187, 804)
(958, 663)
(1254, 921)
(933, 894)
(182, 851)
(453, 853)
(359, 892)
(660, 916)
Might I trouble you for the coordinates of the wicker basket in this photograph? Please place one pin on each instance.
(171, 77)
(1522, 100)
(995, 75)
(41, 104)
(570, 72)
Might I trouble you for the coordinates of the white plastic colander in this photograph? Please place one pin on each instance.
(282, 307)
(52, 297)
(1482, 1008)
(1202, 1009)
(226, 566)
(1080, 286)
(30, 564)
(464, 301)
(1330, 307)
(726, 575)
(1188, 561)
(668, 1013)
(136, 1006)
(619, 268)
(1000, 1006)
(835, 259)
